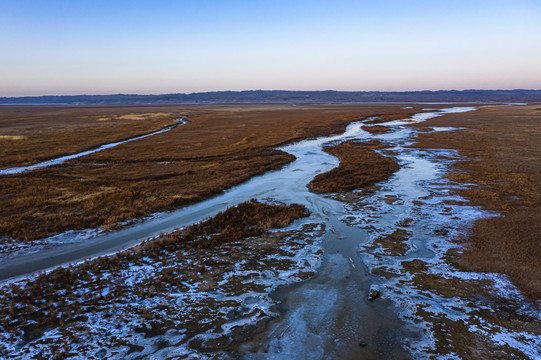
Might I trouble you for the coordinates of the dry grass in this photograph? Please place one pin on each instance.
(45, 132)
(68, 294)
(52, 202)
(359, 166)
(13, 137)
(376, 129)
(144, 116)
(503, 150)
(222, 146)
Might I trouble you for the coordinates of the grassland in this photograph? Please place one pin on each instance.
(376, 129)
(221, 146)
(360, 166)
(163, 293)
(502, 150)
(36, 133)
(149, 289)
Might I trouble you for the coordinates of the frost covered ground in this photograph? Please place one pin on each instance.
(195, 301)
(11, 248)
(414, 223)
(206, 302)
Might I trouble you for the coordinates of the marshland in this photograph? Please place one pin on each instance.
(296, 180)
(265, 231)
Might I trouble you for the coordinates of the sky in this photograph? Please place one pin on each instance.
(58, 47)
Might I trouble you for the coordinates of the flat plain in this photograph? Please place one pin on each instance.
(205, 289)
(218, 148)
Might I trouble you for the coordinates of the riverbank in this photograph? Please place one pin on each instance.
(62, 159)
(369, 270)
(360, 166)
(31, 134)
(501, 148)
(221, 147)
(186, 291)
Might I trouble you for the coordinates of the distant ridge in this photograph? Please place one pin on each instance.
(281, 97)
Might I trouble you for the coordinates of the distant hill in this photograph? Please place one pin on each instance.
(281, 96)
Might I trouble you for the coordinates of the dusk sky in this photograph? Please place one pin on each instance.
(105, 47)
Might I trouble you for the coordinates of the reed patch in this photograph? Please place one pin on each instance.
(360, 166)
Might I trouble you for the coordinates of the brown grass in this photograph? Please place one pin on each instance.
(53, 201)
(376, 129)
(503, 148)
(222, 146)
(45, 132)
(359, 166)
(66, 294)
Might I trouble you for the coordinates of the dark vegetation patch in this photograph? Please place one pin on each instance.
(359, 166)
(376, 129)
(117, 286)
(395, 244)
(502, 146)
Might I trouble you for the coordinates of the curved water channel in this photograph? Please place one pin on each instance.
(325, 315)
(287, 185)
(60, 160)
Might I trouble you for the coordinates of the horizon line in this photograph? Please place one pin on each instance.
(262, 90)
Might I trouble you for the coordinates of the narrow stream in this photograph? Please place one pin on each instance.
(60, 160)
(287, 184)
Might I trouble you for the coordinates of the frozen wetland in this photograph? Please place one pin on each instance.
(366, 275)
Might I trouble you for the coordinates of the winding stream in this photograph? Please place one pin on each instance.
(287, 185)
(330, 315)
(60, 160)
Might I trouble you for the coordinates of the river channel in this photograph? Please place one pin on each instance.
(286, 185)
(332, 314)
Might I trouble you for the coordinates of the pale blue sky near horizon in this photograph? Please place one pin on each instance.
(153, 47)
